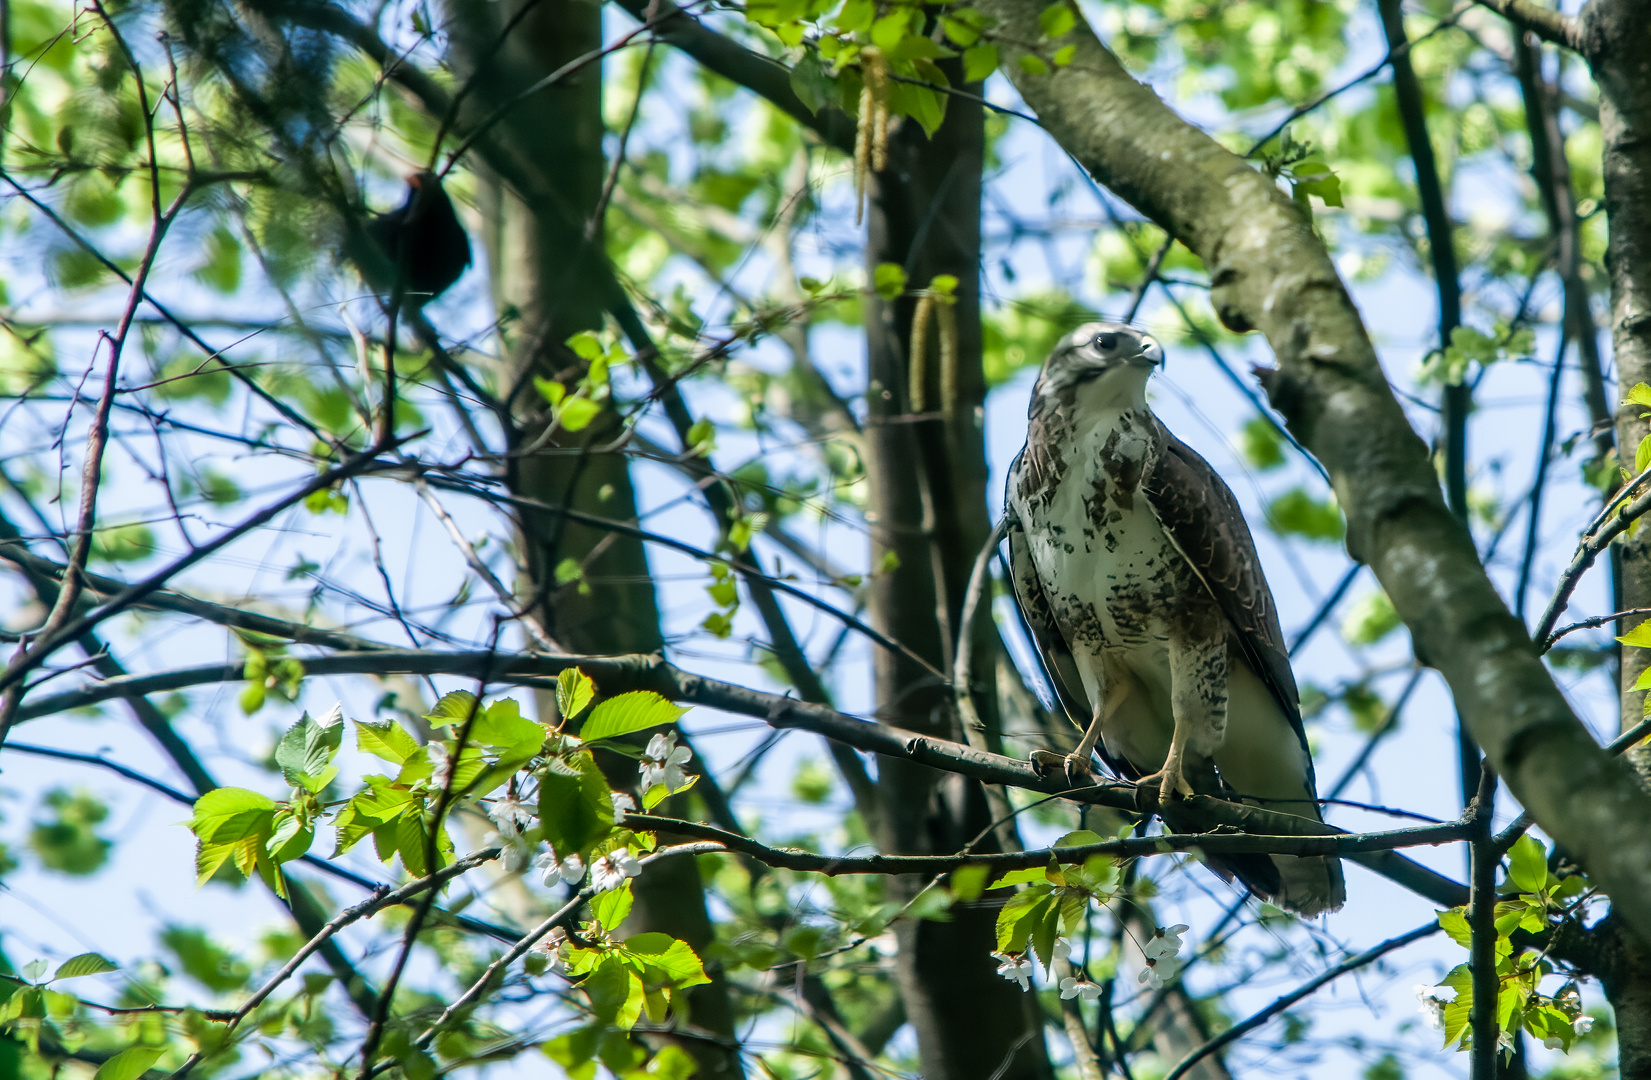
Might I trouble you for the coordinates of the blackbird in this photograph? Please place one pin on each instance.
(423, 240)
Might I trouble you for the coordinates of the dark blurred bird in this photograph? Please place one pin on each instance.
(423, 243)
(1140, 584)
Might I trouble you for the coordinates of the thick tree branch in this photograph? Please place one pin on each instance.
(1545, 23)
(1214, 843)
(1270, 272)
(768, 79)
(618, 674)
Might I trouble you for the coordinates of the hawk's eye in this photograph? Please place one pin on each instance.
(1106, 342)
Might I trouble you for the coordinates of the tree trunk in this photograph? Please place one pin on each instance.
(551, 281)
(928, 508)
(1615, 40)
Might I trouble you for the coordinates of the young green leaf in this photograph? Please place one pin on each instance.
(387, 740)
(635, 711)
(574, 690)
(89, 963)
(611, 907)
(306, 751)
(130, 1064)
(453, 709)
(1528, 865)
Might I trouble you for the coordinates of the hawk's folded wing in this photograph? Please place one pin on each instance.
(1202, 518)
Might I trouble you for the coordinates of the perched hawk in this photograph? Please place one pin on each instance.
(1141, 587)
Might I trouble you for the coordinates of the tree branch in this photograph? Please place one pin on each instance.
(1213, 843)
(618, 674)
(1249, 1024)
(767, 78)
(1545, 23)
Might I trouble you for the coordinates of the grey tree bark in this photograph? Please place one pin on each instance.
(928, 507)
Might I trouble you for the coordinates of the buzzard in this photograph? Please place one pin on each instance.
(1140, 585)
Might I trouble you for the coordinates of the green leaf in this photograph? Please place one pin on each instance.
(635, 711)
(1455, 924)
(586, 345)
(1019, 877)
(810, 82)
(1371, 618)
(615, 992)
(1316, 178)
(577, 413)
(575, 811)
(1528, 865)
(130, 1064)
(501, 726)
(552, 391)
(1639, 637)
(89, 963)
(1262, 445)
(702, 437)
(659, 792)
(1638, 394)
(670, 957)
(889, 280)
(1296, 513)
(1033, 65)
(963, 26)
(574, 690)
(1046, 927)
(1458, 1012)
(387, 740)
(230, 814)
(979, 62)
(453, 708)
(306, 751)
(1015, 921)
(611, 907)
(968, 882)
(1058, 19)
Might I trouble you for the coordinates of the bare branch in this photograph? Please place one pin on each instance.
(617, 674)
(1250, 1023)
(1546, 23)
(382, 899)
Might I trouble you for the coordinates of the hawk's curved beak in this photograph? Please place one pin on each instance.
(1151, 354)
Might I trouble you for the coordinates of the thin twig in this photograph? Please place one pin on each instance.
(1484, 861)
(1249, 1024)
(1588, 624)
(381, 899)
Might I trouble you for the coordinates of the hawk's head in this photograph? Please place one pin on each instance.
(1100, 364)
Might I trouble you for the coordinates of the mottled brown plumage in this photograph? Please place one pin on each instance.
(1141, 587)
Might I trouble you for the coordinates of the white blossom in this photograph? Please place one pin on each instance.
(1166, 942)
(551, 946)
(1553, 1042)
(611, 870)
(1015, 969)
(569, 870)
(441, 765)
(509, 814)
(1582, 1025)
(1160, 970)
(1433, 999)
(514, 852)
(662, 763)
(1083, 989)
(622, 805)
(1062, 950)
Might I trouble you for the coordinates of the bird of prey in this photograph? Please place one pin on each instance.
(1139, 582)
(423, 242)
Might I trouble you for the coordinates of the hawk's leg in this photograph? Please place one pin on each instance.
(1077, 763)
(1198, 700)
